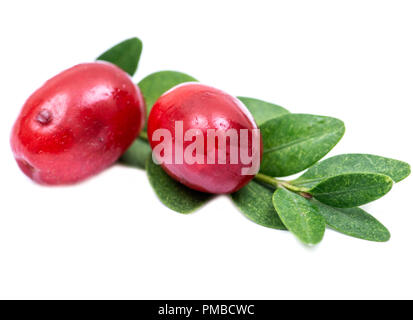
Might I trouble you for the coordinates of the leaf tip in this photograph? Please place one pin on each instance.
(407, 172)
(386, 237)
(389, 182)
(125, 55)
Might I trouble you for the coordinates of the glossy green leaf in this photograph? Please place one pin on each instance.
(125, 55)
(173, 194)
(137, 154)
(353, 163)
(156, 84)
(354, 222)
(262, 111)
(255, 202)
(352, 189)
(300, 216)
(294, 142)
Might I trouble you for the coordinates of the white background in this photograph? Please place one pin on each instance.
(110, 237)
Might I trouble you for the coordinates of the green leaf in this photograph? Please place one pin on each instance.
(255, 202)
(173, 194)
(352, 189)
(300, 216)
(353, 163)
(156, 84)
(294, 142)
(262, 111)
(125, 55)
(137, 154)
(354, 222)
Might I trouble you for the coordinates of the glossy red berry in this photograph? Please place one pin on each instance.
(77, 124)
(202, 110)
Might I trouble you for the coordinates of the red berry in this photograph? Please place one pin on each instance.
(77, 124)
(203, 109)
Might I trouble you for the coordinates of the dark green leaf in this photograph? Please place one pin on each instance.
(156, 84)
(352, 189)
(137, 154)
(353, 163)
(354, 222)
(255, 202)
(125, 55)
(173, 194)
(262, 111)
(294, 142)
(300, 216)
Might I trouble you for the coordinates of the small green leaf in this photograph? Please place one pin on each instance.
(353, 163)
(300, 216)
(125, 55)
(262, 111)
(294, 142)
(173, 194)
(255, 202)
(354, 222)
(156, 84)
(352, 189)
(137, 154)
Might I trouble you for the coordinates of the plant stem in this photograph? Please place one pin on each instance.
(280, 184)
(306, 195)
(267, 180)
(290, 187)
(143, 135)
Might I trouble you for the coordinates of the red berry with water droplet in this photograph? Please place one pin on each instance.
(77, 124)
